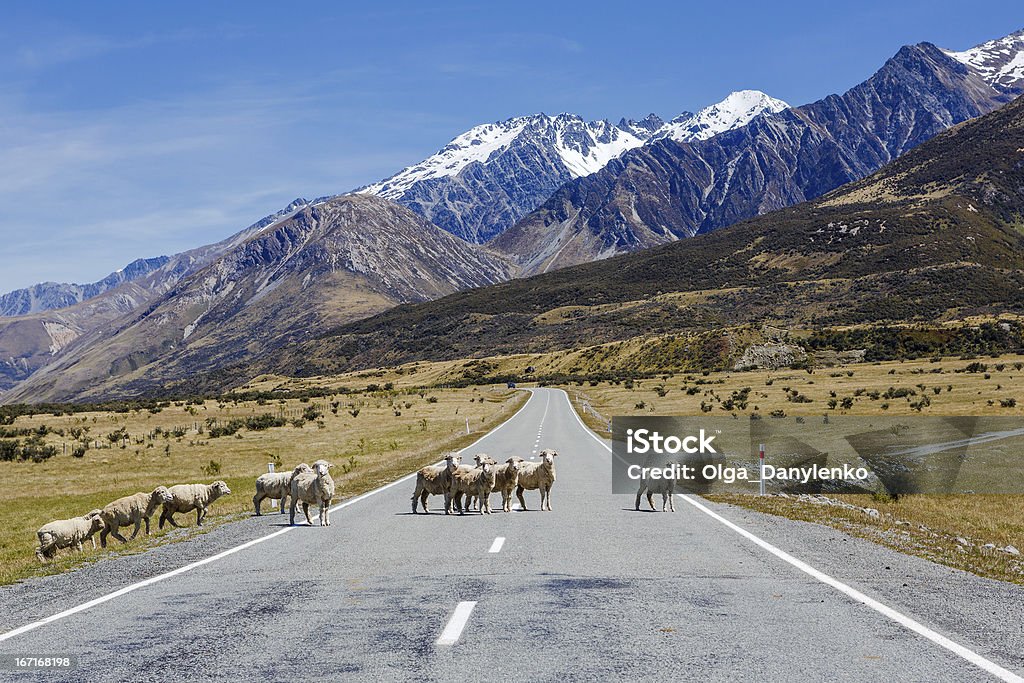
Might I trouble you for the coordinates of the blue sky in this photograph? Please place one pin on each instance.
(138, 129)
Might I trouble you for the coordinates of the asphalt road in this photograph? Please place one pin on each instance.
(589, 591)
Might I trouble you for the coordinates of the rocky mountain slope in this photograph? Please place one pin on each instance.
(934, 236)
(329, 263)
(666, 190)
(28, 342)
(484, 180)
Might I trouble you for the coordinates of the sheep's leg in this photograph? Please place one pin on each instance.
(519, 495)
(291, 515)
(650, 499)
(256, 500)
(114, 532)
(78, 545)
(639, 495)
(93, 539)
(305, 511)
(138, 525)
(549, 497)
(424, 499)
(447, 503)
(671, 501)
(199, 516)
(284, 501)
(168, 516)
(146, 520)
(103, 536)
(415, 499)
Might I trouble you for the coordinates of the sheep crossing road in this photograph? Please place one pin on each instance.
(589, 591)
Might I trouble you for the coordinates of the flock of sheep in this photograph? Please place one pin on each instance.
(453, 480)
(135, 509)
(304, 485)
(307, 485)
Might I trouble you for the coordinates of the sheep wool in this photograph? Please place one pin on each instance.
(67, 533)
(188, 497)
(315, 487)
(134, 509)
(538, 476)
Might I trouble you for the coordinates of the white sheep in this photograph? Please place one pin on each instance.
(506, 478)
(134, 509)
(435, 480)
(474, 481)
(538, 475)
(666, 487)
(276, 486)
(67, 533)
(313, 487)
(188, 497)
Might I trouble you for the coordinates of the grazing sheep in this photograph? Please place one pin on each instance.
(276, 486)
(506, 478)
(188, 497)
(435, 480)
(538, 475)
(134, 509)
(666, 487)
(313, 487)
(474, 481)
(67, 533)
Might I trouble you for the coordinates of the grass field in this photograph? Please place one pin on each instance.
(951, 529)
(372, 437)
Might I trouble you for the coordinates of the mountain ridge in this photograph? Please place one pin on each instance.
(932, 237)
(667, 190)
(489, 176)
(328, 263)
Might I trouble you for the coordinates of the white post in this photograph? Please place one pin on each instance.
(760, 452)
(467, 425)
(270, 468)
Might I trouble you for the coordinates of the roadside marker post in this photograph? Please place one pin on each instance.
(467, 426)
(273, 501)
(760, 453)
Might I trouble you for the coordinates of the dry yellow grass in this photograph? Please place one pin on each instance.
(393, 433)
(931, 526)
(949, 392)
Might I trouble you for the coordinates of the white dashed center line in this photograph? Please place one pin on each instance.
(453, 630)
(496, 546)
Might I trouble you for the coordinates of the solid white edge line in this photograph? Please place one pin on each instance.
(453, 629)
(230, 551)
(883, 609)
(496, 546)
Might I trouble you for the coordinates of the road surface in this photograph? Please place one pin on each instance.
(589, 591)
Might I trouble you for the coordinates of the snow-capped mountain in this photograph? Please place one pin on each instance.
(661, 191)
(1000, 62)
(738, 109)
(583, 147)
(486, 179)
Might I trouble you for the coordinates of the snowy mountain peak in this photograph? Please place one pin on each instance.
(734, 111)
(1000, 62)
(583, 147)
